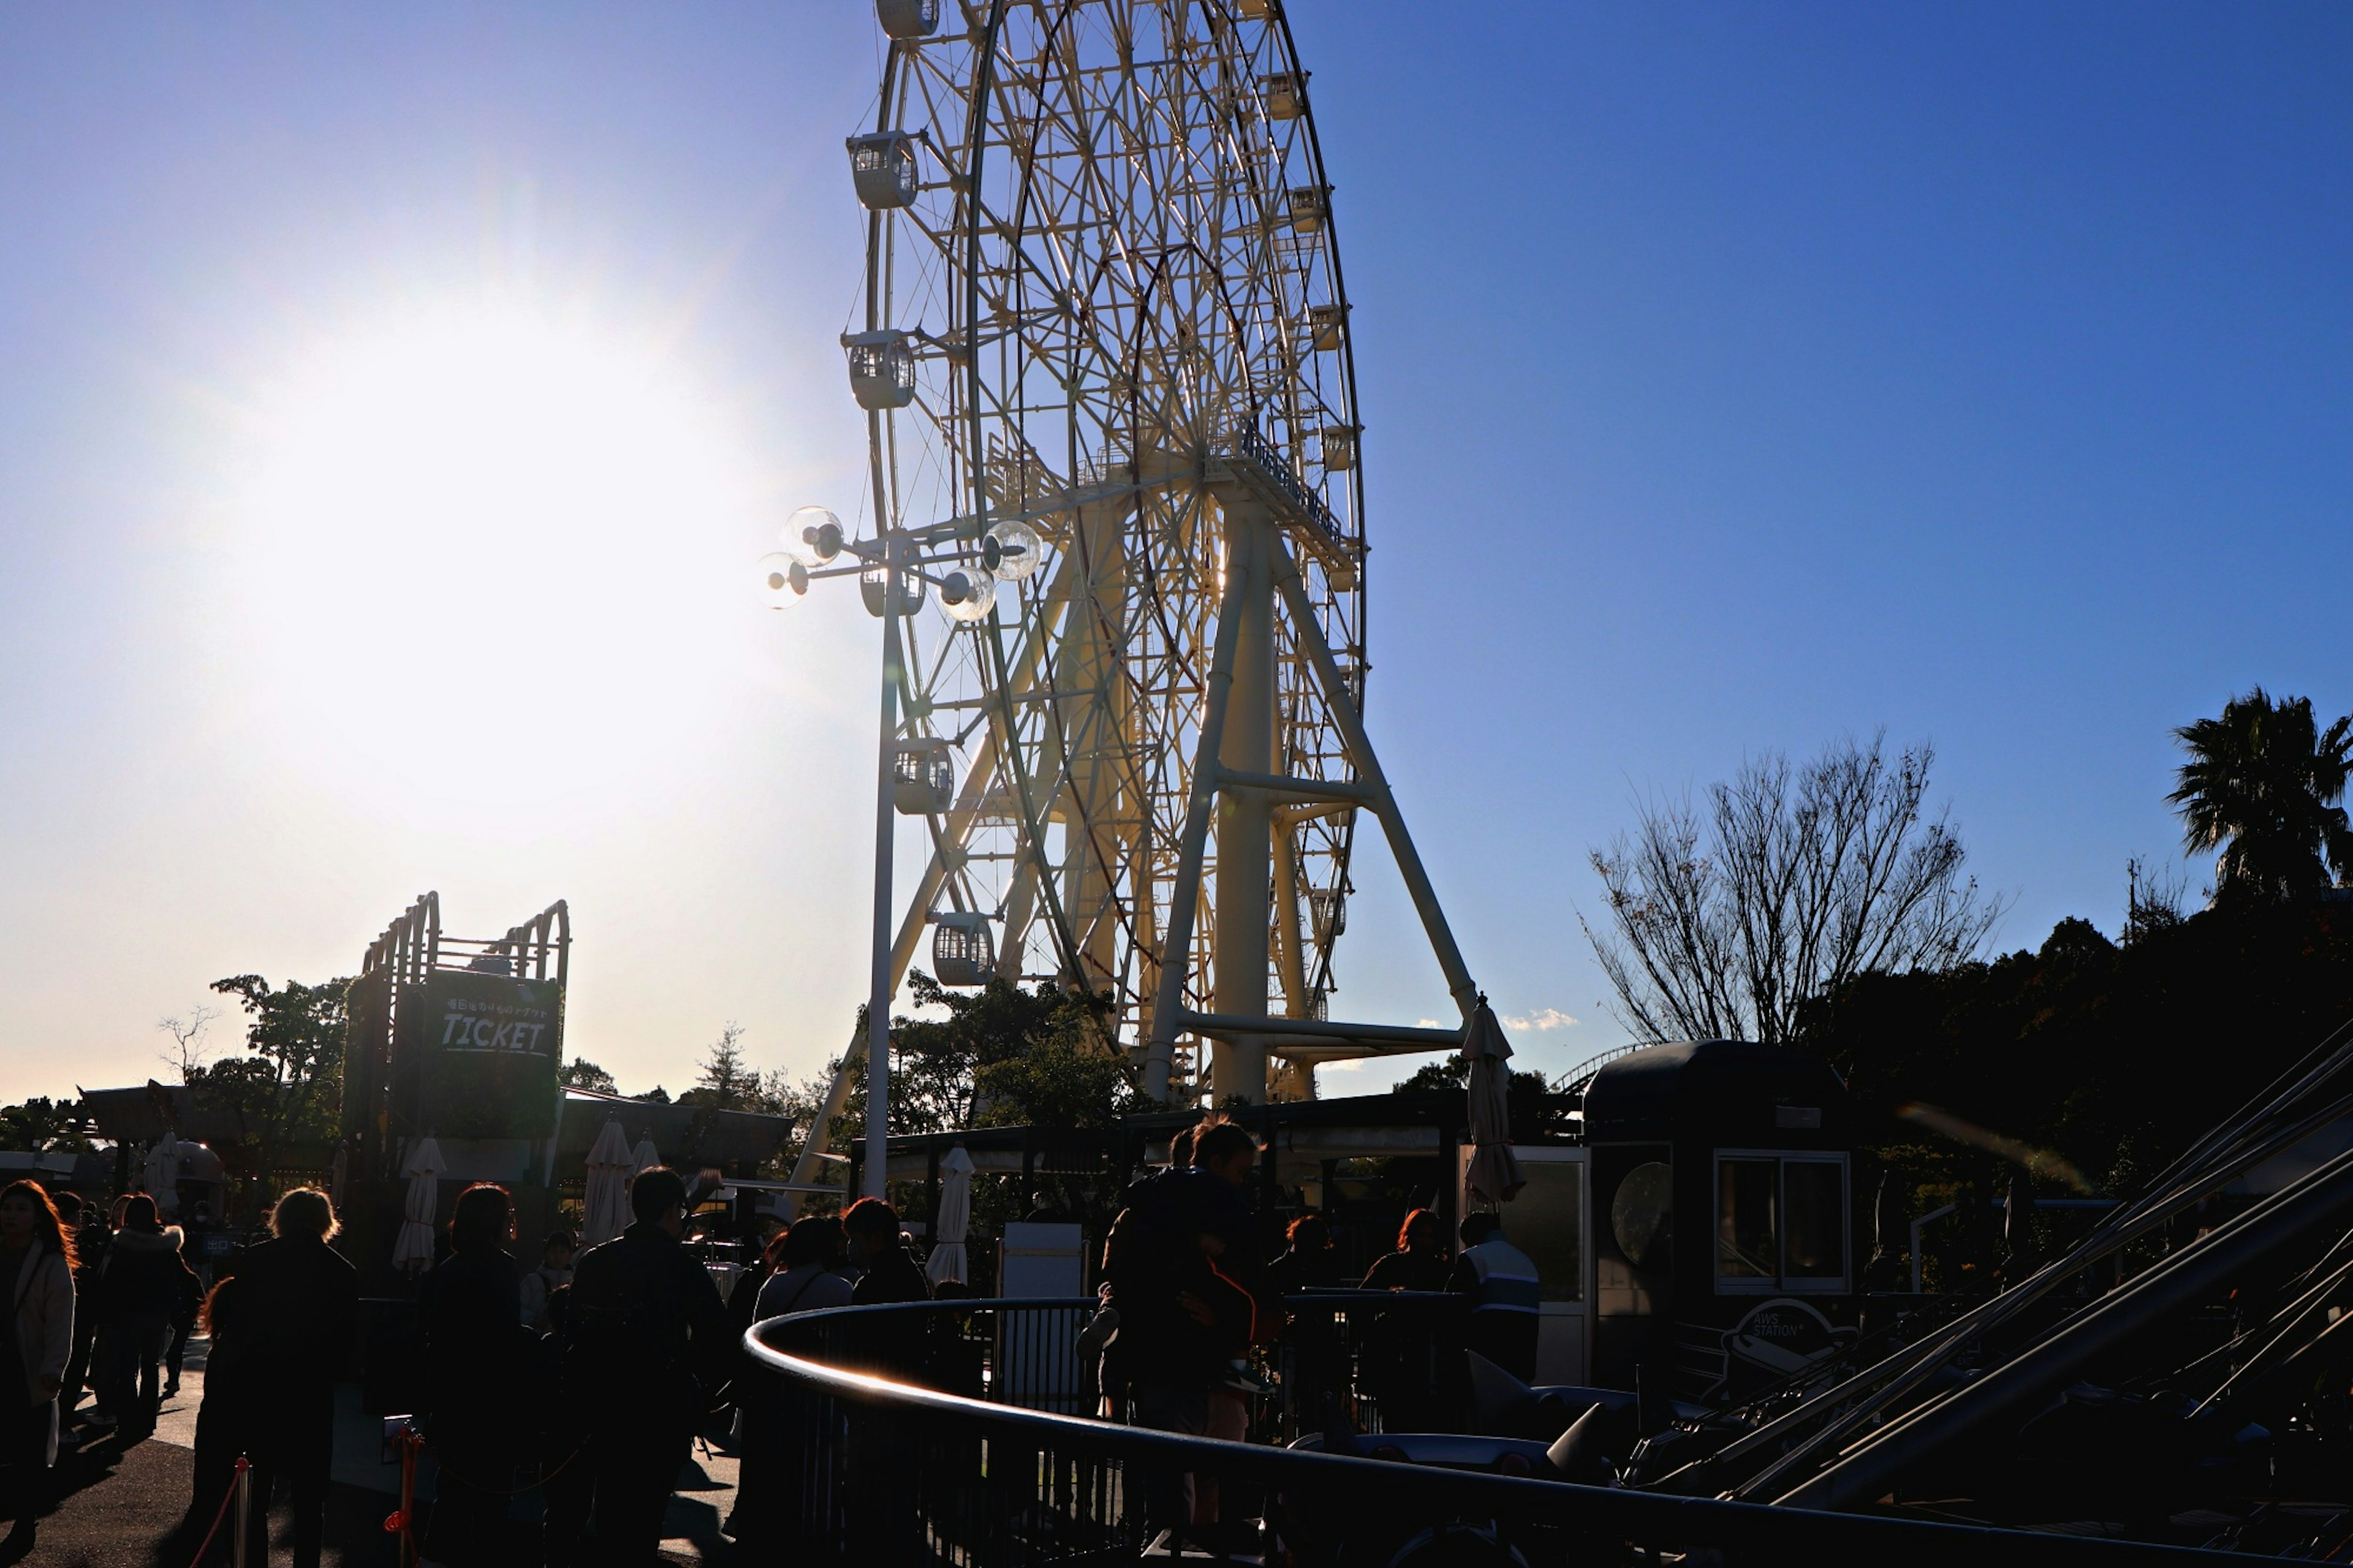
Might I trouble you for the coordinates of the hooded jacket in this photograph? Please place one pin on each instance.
(144, 1277)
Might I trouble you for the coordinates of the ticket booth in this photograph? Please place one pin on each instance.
(1721, 1240)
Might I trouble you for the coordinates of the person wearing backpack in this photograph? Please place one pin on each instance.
(1185, 1280)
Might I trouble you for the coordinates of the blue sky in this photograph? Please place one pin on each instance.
(1736, 377)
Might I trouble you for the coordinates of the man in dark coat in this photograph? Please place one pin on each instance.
(649, 1340)
(301, 1298)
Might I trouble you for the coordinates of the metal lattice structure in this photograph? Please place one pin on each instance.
(1106, 328)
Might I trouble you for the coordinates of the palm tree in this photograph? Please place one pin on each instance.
(2262, 785)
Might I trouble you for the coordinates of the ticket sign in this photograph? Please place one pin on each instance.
(479, 1054)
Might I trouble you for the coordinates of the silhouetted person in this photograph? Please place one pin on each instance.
(144, 1285)
(303, 1298)
(1399, 1361)
(36, 1273)
(91, 1238)
(1312, 1355)
(1420, 1262)
(808, 1274)
(1505, 1297)
(805, 1276)
(648, 1336)
(477, 1380)
(227, 1420)
(553, 1273)
(190, 1287)
(567, 1474)
(1308, 1261)
(1181, 1263)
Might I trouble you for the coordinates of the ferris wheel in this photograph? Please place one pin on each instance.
(1114, 529)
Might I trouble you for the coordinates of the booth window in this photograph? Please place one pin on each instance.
(1780, 1221)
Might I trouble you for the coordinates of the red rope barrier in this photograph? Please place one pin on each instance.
(243, 1464)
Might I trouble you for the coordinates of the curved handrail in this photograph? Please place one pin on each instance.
(1636, 1515)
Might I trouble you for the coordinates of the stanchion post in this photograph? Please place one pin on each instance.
(241, 1512)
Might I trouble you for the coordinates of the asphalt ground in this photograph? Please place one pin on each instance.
(122, 1505)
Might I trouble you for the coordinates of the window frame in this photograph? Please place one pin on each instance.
(1782, 1283)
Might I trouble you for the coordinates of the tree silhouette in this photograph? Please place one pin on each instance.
(1794, 881)
(2262, 787)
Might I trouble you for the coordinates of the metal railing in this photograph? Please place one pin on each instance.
(847, 1459)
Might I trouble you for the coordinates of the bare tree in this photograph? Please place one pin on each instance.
(1726, 924)
(187, 1031)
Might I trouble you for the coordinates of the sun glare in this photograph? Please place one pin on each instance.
(485, 564)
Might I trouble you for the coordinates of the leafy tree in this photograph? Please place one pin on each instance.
(725, 1081)
(947, 1071)
(42, 1125)
(2112, 1057)
(1793, 883)
(1525, 1097)
(291, 1087)
(2262, 787)
(581, 1073)
(1002, 1057)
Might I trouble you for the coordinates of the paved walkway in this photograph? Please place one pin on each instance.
(121, 1505)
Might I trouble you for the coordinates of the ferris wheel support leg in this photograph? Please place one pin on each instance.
(1176, 948)
(1351, 723)
(1245, 817)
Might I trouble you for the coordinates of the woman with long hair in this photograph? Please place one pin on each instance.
(478, 1414)
(1420, 1262)
(1401, 1354)
(37, 1267)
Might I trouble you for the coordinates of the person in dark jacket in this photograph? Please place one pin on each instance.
(226, 1425)
(1182, 1266)
(478, 1396)
(303, 1298)
(191, 1285)
(1420, 1262)
(650, 1340)
(888, 1274)
(144, 1288)
(1402, 1351)
(887, 1271)
(1313, 1358)
(92, 1237)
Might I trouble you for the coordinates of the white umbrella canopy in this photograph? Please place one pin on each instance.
(605, 1201)
(412, 1248)
(1495, 1176)
(646, 1156)
(162, 1172)
(954, 1220)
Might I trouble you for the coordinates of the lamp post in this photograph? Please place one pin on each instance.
(964, 563)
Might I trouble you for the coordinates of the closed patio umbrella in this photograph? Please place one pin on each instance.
(1495, 1175)
(412, 1248)
(947, 1261)
(645, 1157)
(604, 1200)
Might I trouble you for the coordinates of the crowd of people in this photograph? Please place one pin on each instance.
(1187, 1297)
(587, 1375)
